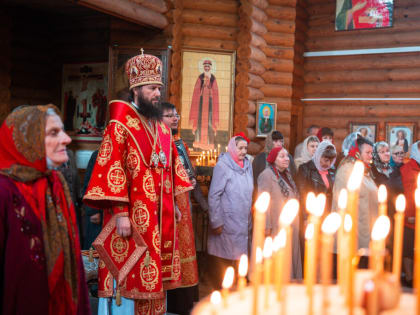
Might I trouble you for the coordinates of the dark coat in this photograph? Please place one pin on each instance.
(309, 179)
(378, 177)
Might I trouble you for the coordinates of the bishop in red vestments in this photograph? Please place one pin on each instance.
(136, 177)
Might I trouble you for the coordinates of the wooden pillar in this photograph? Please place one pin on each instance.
(176, 62)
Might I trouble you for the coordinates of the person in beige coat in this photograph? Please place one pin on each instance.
(368, 199)
(278, 182)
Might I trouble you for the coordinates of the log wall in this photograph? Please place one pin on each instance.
(385, 76)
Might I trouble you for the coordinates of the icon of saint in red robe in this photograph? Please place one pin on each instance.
(204, 112)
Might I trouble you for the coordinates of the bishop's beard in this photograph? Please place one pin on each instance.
(148, 109)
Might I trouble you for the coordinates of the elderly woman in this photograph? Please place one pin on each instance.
(278, 182)
(381, 170)
(361, 150)
(230, 200)
(318, 174)
(39, 248)
(409, 174)
(308, 150)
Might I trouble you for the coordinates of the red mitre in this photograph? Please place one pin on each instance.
(207, 62)
(144, 69)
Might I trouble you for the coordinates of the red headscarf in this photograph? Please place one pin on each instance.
(23, 159)
(273, 154)
(354, 152)
(241, 134)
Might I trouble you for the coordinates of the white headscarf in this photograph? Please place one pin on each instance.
(318, 154)
(348, 142)
(415, 153)
(305, 156)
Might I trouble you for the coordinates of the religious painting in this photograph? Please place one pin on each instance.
(207, 99)
(363, 14)
(266, 118)
(118, 80)
(400, 134)
(367, 130)
(84, 100)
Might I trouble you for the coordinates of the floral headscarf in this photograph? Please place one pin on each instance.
(415, 153)
(380, 166)
(319, 152)
(349, 142)
(23, 159)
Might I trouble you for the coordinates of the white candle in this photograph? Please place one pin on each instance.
(215, 300)
(267, 253)
(242, 271)
(227, 283)
(382, 196)
(398, 235)
(342, 204)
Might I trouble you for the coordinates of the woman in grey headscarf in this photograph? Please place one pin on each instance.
(308, 149)
(380, 168)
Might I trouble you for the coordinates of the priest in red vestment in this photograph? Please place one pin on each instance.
(204, 111)
(136, 177)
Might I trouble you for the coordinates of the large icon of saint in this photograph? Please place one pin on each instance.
(204, 112)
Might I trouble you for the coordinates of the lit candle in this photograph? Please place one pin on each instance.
(342, 204)
(215, 300)
(347, 258)
(382, 196)
(227, 283)
(267, 253)
(257, 279)
(287, 216)
(329, 227)
(226, 149)
(279, 245)
(353, 187)
(261, 206)
(218, 149)
(398, 235)
(379, 233)
(309, 265)
(242, 271)
(417, 245)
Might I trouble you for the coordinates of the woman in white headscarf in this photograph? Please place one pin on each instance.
(308, 149)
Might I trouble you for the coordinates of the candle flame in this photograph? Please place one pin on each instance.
(342, 199)
(322, 200)
(258, 255)
(356, 176)
(382, 194)
(268, 247)
(262, 202)
(243, 265)
(228, 279)
(280, 240)
(331, 223)
(310, 231)
(381, 227)
(216, 298)
(289, 212)
(310, 202)
(417, 197)
(400, 203)
(348, 223)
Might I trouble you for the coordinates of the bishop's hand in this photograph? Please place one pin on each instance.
(123, 226)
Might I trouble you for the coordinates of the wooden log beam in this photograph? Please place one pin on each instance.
(390, 61)
(251, 66)
(261, 4)
(254, 147)
(252, 52)
(225, 6)
(283, 103)
(278, 52)
(373, 75)
(354, 88)
(249, 10)
(284, 3)
(280, 39)
(280, 12)
(249, 93)
(277, 90)
(207, 43)
(209, 18)
(209, 31)
(252, 38)
(275, 77)
(280, 65)
(378, 111)
(155, 5)
(281, 26)
(251, 25)
(128, 10)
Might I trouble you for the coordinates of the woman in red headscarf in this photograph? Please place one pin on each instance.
(42, 271)
(361, 150)
(278, 182)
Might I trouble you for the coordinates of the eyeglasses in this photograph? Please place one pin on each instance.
(171, 116)
(398, 153)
